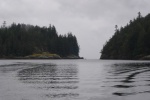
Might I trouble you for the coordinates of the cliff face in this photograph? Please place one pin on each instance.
(129, 42)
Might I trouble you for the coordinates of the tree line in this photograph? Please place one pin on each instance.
(129, 42)
(19, 40)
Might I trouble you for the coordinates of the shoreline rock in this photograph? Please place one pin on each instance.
(44, 55)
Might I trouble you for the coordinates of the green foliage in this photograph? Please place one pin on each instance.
(129, 42)
(19, 40)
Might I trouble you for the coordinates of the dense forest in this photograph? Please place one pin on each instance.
(20, 40)
(129, 42)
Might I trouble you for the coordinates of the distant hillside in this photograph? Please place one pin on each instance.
(130, 42)
(20, 40)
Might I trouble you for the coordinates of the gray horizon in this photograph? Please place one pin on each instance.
(92, 22)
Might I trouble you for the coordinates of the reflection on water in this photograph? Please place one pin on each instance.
(130, 78)
(59, 81)
(9, 67)
(75, 80)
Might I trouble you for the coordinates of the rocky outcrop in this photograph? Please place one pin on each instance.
(47, 55)
(44, 55)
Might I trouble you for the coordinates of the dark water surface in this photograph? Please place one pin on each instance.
(74, 80)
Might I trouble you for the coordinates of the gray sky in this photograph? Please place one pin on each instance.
(92, 21)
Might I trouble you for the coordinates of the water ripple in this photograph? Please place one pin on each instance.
(51, 78)
(125, 77)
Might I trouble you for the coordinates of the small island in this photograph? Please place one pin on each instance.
(131, 42)
(23, 41)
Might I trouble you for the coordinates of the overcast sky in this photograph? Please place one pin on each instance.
(92, 21)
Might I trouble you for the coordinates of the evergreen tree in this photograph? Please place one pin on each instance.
(19, 40)
(130, 42)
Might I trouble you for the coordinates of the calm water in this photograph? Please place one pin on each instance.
(74, 80)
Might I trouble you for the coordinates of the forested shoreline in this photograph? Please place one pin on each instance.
(129, 42)
(22, 40)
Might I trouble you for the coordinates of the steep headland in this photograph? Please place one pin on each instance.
(129, 42)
